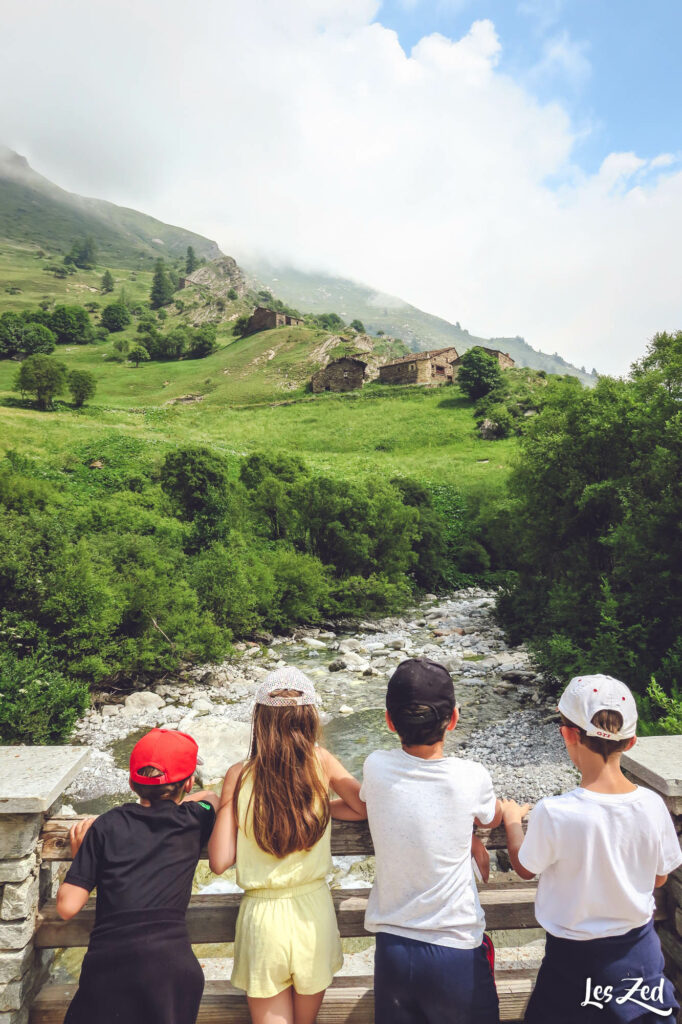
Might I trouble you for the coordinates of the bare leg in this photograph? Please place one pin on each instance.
(278, 1009)
(306, 1007)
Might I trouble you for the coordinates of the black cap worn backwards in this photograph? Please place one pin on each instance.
(420, 681)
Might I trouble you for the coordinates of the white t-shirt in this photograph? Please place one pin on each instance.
(421, 815)
(597, 855)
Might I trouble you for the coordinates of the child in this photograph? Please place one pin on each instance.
(432, 961)
(140, 968)
(274, 819)
(600, 850)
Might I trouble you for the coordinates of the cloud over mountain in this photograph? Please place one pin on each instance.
(303, 131)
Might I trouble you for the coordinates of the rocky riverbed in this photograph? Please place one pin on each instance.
(505, 722)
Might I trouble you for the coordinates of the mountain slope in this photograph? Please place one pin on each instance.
(319, 293)
(33, 209)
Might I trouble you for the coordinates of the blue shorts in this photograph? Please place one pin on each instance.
(562, 984)
(422, 983)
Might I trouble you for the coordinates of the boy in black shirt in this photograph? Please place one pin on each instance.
(140, 968)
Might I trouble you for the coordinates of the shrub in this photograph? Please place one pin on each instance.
(38, 704)
(71, 325)
(43, 377)
(232, 294)
(195, 479)
(138, 354)
(37, 338)
(479, 373)
(115, 317)
(82, 386)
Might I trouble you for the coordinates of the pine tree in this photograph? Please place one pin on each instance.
(192, 263)
(162, 288)
(107, 282)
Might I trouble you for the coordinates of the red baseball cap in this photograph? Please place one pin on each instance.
(174, 754)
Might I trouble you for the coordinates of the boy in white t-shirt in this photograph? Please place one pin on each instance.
(433, 963)
(600, 850)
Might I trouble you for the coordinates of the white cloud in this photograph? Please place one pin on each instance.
(304, 132)
(563, 57)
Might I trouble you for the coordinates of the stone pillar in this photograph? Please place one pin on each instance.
(31, 779)
(656, 762)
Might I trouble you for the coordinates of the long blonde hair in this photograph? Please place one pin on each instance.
(289, 800)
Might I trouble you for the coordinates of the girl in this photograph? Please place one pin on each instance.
(274, 821)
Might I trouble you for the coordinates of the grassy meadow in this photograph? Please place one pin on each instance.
(249, 395)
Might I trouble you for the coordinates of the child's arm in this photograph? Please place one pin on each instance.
(660, 880)
(72, 898)
(340, 811)
(481, 857)
(496, 820)
(512, 815)
(343, 784)
(222, 846)
(206, 796)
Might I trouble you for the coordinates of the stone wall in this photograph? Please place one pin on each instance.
(420, 368)
(656, 762)
(263, 319)
(31, 778)
(345, 374)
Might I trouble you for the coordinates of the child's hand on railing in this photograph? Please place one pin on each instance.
(77, 833)
(512, 812)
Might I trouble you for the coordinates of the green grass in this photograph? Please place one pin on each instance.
(252, 394)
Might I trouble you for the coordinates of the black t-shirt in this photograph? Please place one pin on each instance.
(140, 857)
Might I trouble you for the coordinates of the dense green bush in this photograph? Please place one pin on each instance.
(596, 501)
(82, 386)
(479, 373)
(126, 571)
(115, 317)
(43, 377)
(38, 704)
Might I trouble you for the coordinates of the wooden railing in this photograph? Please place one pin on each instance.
(211, 919)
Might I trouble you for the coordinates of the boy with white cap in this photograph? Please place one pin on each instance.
(600, 850)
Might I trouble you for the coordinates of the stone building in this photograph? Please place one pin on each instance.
(263, 319)
(344, 374)
(504, 360)
(433, 367)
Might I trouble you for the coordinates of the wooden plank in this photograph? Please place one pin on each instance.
(348, 838)
(213, 918)
(349, 1000)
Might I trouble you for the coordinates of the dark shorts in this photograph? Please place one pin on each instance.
(562, 984)
(139, 969)
(421, 983)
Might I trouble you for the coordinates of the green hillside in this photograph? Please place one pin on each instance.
(250, 394)
(34, 210)
(317, 293)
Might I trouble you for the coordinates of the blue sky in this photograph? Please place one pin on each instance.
(616, 67)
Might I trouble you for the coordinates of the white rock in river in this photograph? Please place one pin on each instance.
(345, 710)
(317, 645)
(142, 701)
(202, 705)
(221, 743)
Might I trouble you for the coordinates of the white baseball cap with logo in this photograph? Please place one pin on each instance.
(586, 695)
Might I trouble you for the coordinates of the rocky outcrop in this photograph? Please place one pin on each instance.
(218, 277)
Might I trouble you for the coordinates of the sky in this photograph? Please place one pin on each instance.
(515, 165)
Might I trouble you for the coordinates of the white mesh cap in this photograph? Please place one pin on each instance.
(289, 678)
(586, 695)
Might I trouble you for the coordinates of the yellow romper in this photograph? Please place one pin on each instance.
(286, 929)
